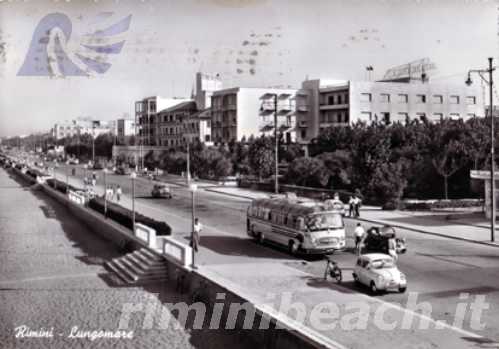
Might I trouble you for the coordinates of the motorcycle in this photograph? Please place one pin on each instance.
(333, 270)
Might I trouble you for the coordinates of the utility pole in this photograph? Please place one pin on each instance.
(490, 82)
(276, 146)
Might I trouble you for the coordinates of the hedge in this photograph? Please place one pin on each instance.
(124, 217)
(425, 205)
(61, 186)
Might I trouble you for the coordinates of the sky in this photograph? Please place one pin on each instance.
(250, 43)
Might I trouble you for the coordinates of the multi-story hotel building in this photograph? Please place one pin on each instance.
(125, 128)
(321, 104)
(82, 126)
(241, 112)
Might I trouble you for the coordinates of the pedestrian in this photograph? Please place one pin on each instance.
(196, 234)
(118, 193)
(350, 206)
(359, 235)
(113, 192)
(392, 247)
(356, 206)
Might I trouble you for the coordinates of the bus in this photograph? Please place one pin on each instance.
(302, 226)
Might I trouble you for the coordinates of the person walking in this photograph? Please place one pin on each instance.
(118, 193)
(359, 235)
(350, 207)
(196, 235)
(392, 248)
(113, 192)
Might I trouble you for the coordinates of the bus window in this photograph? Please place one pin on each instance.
(300, 223)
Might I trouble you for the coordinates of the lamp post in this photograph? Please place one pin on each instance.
(490, 82)
(105, 192)
(67, 175)
(133, 175)
(93, 146)
(193, 188)
(85, 176)
(188, 173)
(55, 175)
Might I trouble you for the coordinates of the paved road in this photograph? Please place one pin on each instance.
(51, 276)
(438, 269)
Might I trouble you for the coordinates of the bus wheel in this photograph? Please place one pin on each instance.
(293, 247)
(261, 238)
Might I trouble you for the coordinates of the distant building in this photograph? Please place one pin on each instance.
(241, 112)
(321, 104)
(171, 125)
(145, 117)
(125, 128)
(82, 126)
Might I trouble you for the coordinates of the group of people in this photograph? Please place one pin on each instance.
(113, 191)
(353, 206)
(360, 236)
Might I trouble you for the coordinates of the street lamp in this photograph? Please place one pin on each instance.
(67, 175)
(55, 175)
(193, 187)
(133, 175)
(105, 192)
(490, 82)
(274, 96)
(85, 176)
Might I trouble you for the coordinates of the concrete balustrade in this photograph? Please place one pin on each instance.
(147, 234)
(76, 197)
(177, 252)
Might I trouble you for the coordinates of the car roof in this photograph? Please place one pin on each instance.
(374, 256)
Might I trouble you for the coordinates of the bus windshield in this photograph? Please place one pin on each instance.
(326, 220)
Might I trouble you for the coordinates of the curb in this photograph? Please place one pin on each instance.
(229, 194)
(432, 233)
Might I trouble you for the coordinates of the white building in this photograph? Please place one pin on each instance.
(125, 128)
(145, 120)
(241, 112)
(82, 126)
(321, 104)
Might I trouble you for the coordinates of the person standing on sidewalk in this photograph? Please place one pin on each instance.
(196, 234)
(118, 193)
(359, 235)
(356, 206)
(392, 247)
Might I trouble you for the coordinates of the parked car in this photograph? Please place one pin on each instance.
(98, 166)
(376, 240)
(74, 161)
(379, 272)
(161, 191)
(122, 170)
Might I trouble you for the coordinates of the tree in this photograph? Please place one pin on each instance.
(339, 167)
(308, 172)
(386, 184)
(449, 159)
(261, 157)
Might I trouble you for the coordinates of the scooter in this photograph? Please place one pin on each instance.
(333, 270)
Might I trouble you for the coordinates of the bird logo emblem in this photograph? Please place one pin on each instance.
(53, 53)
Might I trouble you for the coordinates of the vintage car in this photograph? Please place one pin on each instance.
(122, 170)
(376, 240)
(379, 272)
(161, 191)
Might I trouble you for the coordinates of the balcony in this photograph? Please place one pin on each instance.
(333, 106)
(302, 108)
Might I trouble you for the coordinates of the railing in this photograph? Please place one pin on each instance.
(147, 234)
(177, 252)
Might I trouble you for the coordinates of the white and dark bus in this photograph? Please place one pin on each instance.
(301, 226)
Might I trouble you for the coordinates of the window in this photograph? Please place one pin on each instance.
(303, 134)
(339, 100)
(330, 100)
(366, 115)
(421, 98)
(454, 99)
(421, 116)
(438, 116)
(403, 117)
(403, 98)
(438, 99)
(365, 97)
(470, 100)
(384, 98)
(386, 118)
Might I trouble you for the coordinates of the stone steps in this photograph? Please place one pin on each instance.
(140, 266)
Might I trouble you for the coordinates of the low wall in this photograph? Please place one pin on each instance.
(191, 281)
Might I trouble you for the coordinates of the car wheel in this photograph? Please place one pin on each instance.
(292, 247)
(261, 238)
(373, 288)
(402, 289)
